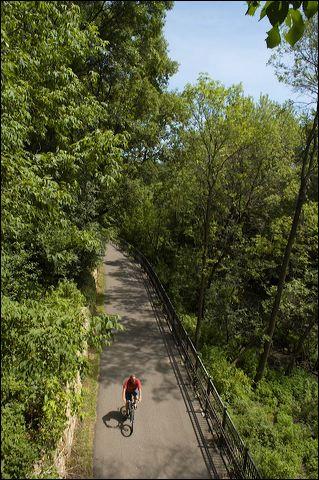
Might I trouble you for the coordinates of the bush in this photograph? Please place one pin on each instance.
(276, 463)
(310, 458)
(18, 451)
(189, 323)
(43, 350)
(230, 381)
(278, 421)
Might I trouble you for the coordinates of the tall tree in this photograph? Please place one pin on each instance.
(308, 160)
(302, 75)
(217, 136)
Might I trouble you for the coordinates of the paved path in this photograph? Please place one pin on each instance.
(165, 442)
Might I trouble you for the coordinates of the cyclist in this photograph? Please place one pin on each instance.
(131, 386)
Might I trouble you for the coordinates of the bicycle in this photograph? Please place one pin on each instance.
(127, 429)
(131, 412)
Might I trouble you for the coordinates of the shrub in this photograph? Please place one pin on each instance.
(278, 421)
(230, 381)
(18, 451)
(43, 345)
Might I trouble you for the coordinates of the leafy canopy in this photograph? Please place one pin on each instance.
(293, 14)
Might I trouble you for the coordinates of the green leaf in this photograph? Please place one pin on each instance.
(273, 39)
(296, 31)
(283, 11)
(252, 7)
(310, 8)
(296, 5)
(273, 13)
(288, 20)
(264, 9)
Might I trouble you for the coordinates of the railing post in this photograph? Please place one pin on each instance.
(195, 373)
(186, 356)
(207, 398)
(224, 417)
(173, 325)
(246, 450)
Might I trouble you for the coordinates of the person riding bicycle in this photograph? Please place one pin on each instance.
(131, 386)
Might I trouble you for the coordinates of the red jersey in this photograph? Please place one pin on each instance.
(130, 386)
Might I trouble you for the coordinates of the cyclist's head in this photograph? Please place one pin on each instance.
(132, 377)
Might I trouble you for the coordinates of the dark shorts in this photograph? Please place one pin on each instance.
(128, 395)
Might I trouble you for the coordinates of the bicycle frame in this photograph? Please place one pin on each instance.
(131, 411)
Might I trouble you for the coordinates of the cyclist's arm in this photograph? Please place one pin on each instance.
(140, 393)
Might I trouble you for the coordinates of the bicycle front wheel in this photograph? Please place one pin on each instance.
(132, 417)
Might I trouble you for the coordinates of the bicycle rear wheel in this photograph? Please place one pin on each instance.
(132, 417)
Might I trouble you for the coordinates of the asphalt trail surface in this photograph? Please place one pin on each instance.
(164, 443)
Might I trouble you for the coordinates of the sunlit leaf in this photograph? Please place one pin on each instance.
(297, 29)
(273, 39)
(310, 8)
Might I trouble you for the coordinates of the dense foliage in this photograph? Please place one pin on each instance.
(77, 90)
(204, 182)
(294, 14)
(279, 421)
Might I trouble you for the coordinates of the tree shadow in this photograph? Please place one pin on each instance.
(155, 354)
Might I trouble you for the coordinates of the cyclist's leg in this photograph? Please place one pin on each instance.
(128, 396)
(135, 393)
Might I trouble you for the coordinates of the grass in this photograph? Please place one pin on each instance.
(80, 463)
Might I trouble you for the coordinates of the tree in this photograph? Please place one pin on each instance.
(214, 121)
(64, 129)
(133, 71)
(303, 77)
(308, 158)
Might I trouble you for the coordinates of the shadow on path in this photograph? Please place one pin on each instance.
(208, 448)
(115, 419)
(171, 440)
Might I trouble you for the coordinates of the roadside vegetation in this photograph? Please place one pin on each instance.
(80, 462)
(219, 191)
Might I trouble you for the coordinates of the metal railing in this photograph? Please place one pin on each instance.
(236, 455)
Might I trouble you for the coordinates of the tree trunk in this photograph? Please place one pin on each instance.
(305, 174)
(299, 346)
(203, 280)
(200, 309)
